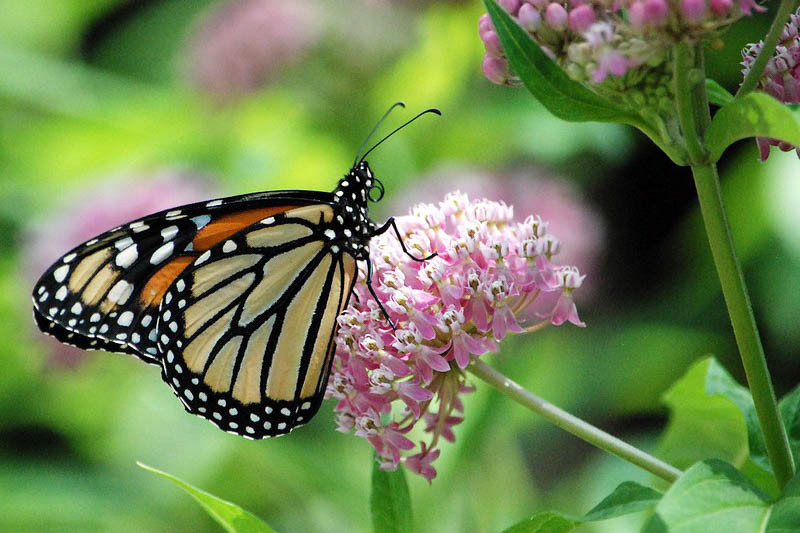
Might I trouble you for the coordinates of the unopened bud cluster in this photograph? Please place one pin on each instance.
(594, 40)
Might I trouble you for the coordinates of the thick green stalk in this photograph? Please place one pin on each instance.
(770, 41)
(572, 424)
(743, 321)
(723, 251)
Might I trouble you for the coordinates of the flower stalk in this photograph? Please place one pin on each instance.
(571, 423)
(729, 271)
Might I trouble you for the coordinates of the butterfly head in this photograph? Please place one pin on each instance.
(359, 186)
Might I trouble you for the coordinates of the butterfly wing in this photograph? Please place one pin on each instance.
(247, 330)
(105, 293)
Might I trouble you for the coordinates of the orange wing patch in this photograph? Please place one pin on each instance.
(227, 225)
(159, 282)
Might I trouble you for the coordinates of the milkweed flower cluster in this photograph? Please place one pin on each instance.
(242, 45)
(781, 77)
(482, 284)
(594, 40)
(571, 215)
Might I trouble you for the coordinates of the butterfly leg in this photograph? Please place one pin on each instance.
(375, 296)
(392, 224)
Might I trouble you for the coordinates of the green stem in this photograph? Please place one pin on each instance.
(693, 124)
(743, 321)
(768, 49)
(685, 81)
(573, 424)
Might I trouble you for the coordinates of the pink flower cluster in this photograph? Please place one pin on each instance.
(593, 39)
(482, 284)
(781, 77)
(243, 44)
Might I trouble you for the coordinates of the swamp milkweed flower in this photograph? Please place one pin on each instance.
(781, 77)
(569, 213)
(483, 283)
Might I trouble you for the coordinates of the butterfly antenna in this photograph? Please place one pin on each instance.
(432, 110)
(378, 125)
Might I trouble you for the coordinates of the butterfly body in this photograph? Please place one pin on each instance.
(235, 299)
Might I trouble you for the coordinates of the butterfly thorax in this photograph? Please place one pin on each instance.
(354, 228)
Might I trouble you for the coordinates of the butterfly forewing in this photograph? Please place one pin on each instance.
(247, 330)
(105, 293)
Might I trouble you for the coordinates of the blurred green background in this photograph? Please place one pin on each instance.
(110, 106)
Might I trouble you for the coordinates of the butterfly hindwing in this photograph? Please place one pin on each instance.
(105, 293)
(246, 331)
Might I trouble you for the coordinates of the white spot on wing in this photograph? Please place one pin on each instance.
(214, 203)
(201, 221)
(120, 292)
(61, 273)
(123, 243)
(61, 293)
(169, 233)
(164, 251)
(125, 318)
(229, 246)
(203, 258)
(127, 257)
(69, 257)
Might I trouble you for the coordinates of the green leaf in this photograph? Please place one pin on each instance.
(628, 497)
(789, 408)
(706, 418)
(390, 501)
(710, 496)
(785, 516)
(717, 94)
(545, 522)
(790, 413)
(230, 516)
(754, 115)
(563, 97)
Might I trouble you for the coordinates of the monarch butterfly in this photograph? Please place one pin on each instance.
(235, 299)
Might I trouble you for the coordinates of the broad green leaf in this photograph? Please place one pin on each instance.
(230, 516)
(628, 497)
(790, 413)
(707, 418)
(545, 522)
(565, 98)
(785, 516)
(789, 408)
(390, 501)
(710, 496)
(754, 115)
(717, 94)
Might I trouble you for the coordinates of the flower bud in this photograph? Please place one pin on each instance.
(581, 18)
(556, 16)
